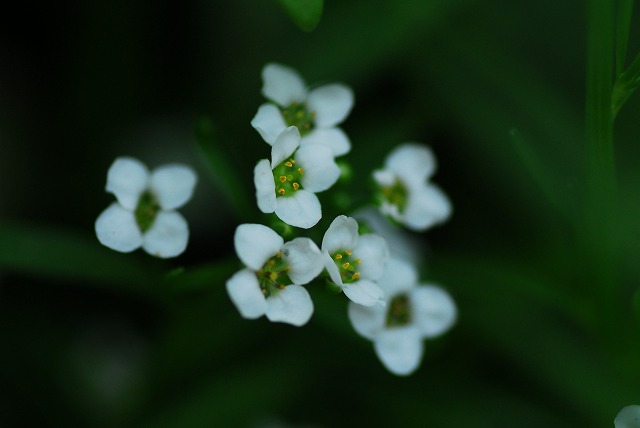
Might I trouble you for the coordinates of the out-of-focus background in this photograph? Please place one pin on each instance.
(90, 337)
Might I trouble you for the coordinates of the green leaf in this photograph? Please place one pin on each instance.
(304, 13)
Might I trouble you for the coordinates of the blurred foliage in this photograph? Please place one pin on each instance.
(544, 274)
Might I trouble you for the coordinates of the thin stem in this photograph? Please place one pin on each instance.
(625, 11)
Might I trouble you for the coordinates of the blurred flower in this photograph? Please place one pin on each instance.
(404, 192)
(413, 312)
(355, 262)
(144, 215)
(628, 417)
(315, 113)
(287, 185)
(271, 283)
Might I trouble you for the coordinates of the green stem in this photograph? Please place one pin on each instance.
(625, 11)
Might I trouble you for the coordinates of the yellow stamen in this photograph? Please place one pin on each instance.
(347, 252)
(273, 276)
(300, 170)
(278, 255)
(271, 263)
(346, 265)
(292, 161)
(338, 256)
(355, 276)
(289, 164)
(358, 261)
(282, 178)
(296, 186)
(281, 286)
(281, 191)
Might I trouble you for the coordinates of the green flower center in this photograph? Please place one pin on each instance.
(274, 275)
(396, 194)
(146, 211)
(287, 177)
(296, 114)
(347, 266)
(399, 311)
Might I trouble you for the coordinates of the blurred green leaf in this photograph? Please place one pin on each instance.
(623, 25)
(305, 14)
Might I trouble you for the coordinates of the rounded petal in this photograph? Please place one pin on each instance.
(116, 228)
(320, 170)
(292, 305)
(269, 122)
(168, 236)
(364, 292)
(384, 177)
(331, 267)
(628, 417)
(367, 321)
(300, 210)
(244, 291)
(255, 244)
(400, 349)
(331, 103)
(282, 84)
(413, 162)
(127, 179)
(399, 276)
(173, 185)
(265, 186)
(426, 206)
(304, 259)
(373, 252)
(334, 138)
(433, 310)
(286, 143)
(342, 234)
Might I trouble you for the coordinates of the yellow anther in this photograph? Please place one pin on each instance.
(347, 252)
(358, 261)
(296, 186)
(273, 276)
(346, 265)
(338, 256)
(282, 178)
(300, 170)
(292, 161)
(271, 263)
(355, 276)
(264, 291)
(289, 164)
(281, 191)
(289, 177)
(278, 255)
(281, 286)
(300, 114)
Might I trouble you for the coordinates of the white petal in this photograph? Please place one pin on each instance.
(384, 177)
(265, 186)
(245, 293)
(116, 228)
(334, 138)
(367, 321)
(127, 179)
(173, 185)
(373, 252)
(304, 259)
(284, 146)
(628, 417)
(433, 310)
(282, 84)
(414, 163)
(255, 244)
(331, 103)
(426, 206)
(400, 349)
(320, 170)
(364, 292)
(291, 305)
(269, 122)
(399, 276)
(300, 210)
(168, 236)
(332, 268)
(342, 234)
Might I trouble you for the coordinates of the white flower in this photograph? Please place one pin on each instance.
(355, 262)
(271, 283)
(406, 195)
(144, 215)
(628, 417)
(413, 312)
(287, 185)
(315, 113)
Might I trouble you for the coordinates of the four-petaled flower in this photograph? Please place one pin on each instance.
(271, 283)
(314, 112)
(355, 262)
(413, 312)
(144, 215)
(287, 185)
(404, 192)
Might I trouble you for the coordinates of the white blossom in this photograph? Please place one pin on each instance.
(413, 312)
(628, 417)
(405, 193)
(355, 262)
(145, 212)
(287, 185)
(315, 112)
(271, 283)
